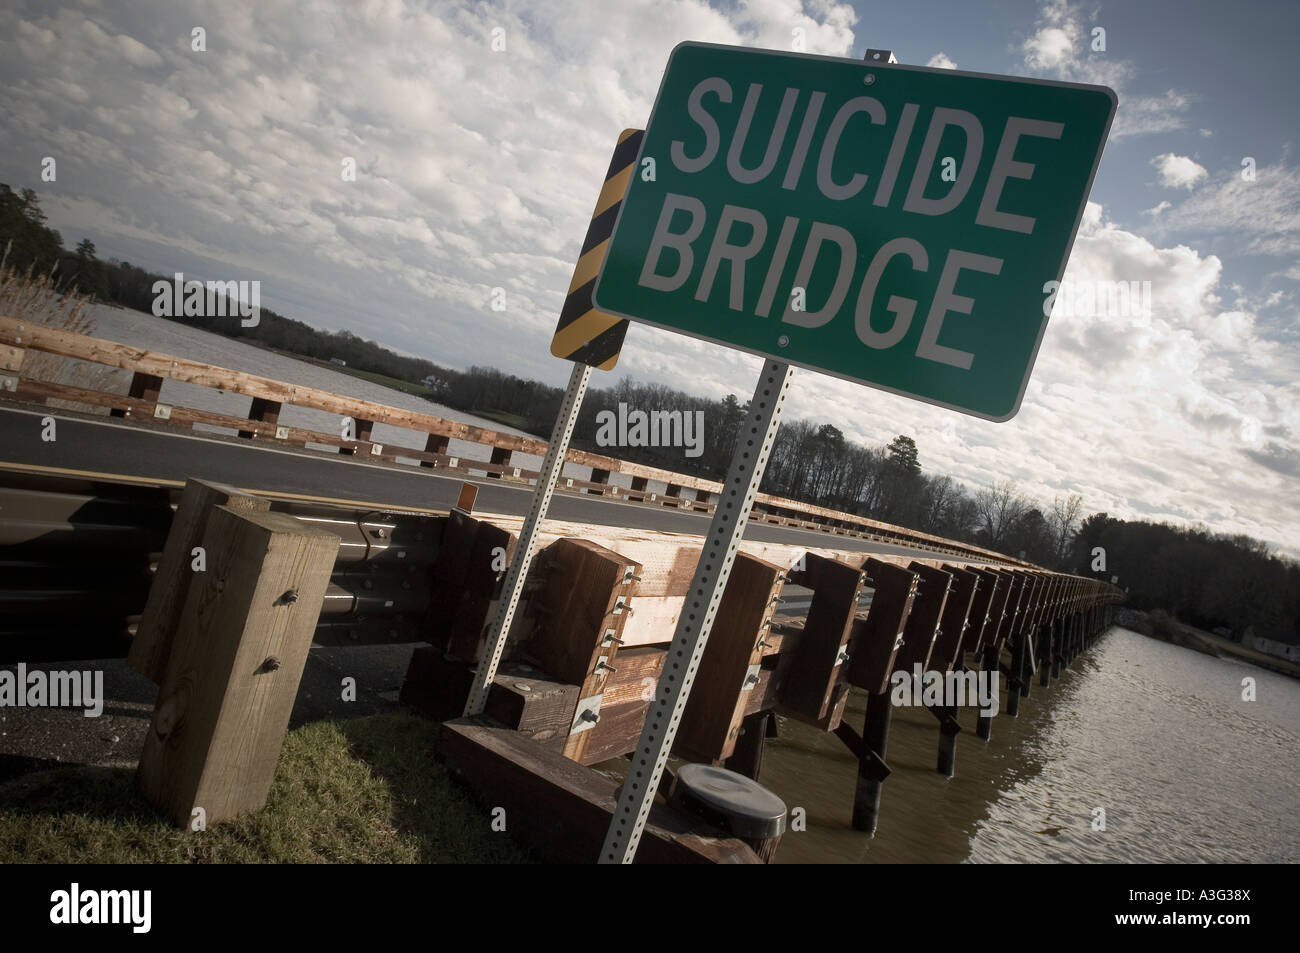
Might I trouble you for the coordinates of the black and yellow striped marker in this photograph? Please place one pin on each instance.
(584, 334)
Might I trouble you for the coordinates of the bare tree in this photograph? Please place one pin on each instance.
(940, 494)
(999, 508)
(1065, 523)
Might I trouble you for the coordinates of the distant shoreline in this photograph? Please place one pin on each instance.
(1186, 636)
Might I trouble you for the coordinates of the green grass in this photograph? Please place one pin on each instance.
(396, 383)
(503, 417)
(367, 790)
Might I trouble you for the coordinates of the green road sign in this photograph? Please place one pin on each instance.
(891, 225)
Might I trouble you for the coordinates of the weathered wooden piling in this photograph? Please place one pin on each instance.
(948, 654)
(875, 646)
(814, 690)
(579, 612)
(729, 670)
(233, 668)
(1017, 672)
(949, 728)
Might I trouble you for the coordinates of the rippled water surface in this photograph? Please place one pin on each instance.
(1155, 735)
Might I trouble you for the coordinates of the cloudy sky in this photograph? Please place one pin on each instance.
(478, 167)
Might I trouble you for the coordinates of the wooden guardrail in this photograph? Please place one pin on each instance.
(268, 397)
(77, 558)
(226, 637)
(599, 612)
(584, 658)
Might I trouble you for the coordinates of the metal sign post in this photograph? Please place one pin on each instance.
(512, 588)
(753, 447)
(588, 338)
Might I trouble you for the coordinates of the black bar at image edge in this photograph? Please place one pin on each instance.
(331, 902)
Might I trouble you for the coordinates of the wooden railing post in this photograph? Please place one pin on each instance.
(362, 435)
(435, 443)
(11, 365)
(499, 455)
(598, 476)
(263, 411)
(815, 690)
(143, 387)
(923, 622)
(233, 672)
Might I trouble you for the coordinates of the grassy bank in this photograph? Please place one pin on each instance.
(406, 387)
(1161, 625)
(367, 790)
(518, 421)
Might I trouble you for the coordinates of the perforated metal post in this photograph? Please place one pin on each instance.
(513, 586)
(753, 448)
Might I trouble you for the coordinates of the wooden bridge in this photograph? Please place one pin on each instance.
(217, 593)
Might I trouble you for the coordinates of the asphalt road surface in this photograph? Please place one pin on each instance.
(90, 447)
(93, 447)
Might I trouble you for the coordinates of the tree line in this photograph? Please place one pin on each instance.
(32, 245)
(1205, 579)
(1209, 580)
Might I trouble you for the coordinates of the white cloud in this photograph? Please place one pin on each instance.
(475, 168)
(1178, 172)
(941, 61)
(1060, 47)
(1260, 215)
(1162, 206)
(1052, 48)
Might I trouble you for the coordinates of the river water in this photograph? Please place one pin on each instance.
(1156, 736)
